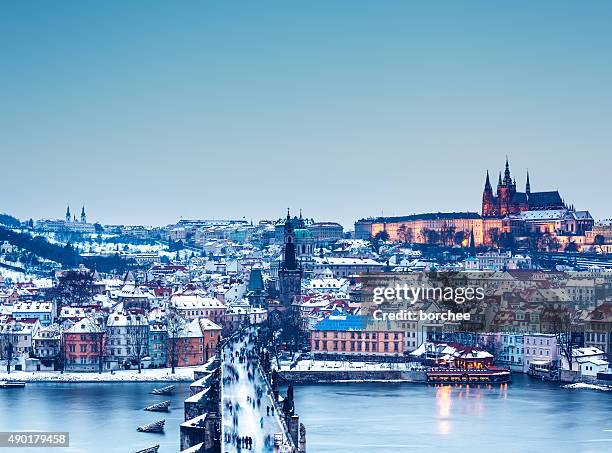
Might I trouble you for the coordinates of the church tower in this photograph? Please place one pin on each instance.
(505, 192)
(256, 290)
(83, 216)
(289, 273)
(488, 202)
(68, 214)
(527, 185)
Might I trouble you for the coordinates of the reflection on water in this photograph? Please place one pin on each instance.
(444, 401)
(526, 415)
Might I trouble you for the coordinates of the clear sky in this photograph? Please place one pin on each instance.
(152, 111)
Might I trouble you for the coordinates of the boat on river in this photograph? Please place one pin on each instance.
(159, 407)
(164, 390)
(153, 449)
(12, 384)
(491, 375)
(157, 427)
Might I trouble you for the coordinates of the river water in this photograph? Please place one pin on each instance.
(525, 416)
(100, 417)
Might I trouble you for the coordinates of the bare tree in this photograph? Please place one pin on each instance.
(74, 288)
(493, 234)
(98, 336)
(60, 359)
(562, 322)
(404, 233)
(138, 337)
(492, 345)
(381, 236)
(447, 234)
(176, 325)
(6, 348)
(430, 236)
(598, 241)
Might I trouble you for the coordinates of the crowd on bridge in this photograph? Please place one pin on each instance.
(248, 421)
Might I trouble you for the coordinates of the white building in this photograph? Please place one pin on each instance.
(345, 267)
(43, 311)
(326, 284)
(496, 261)
(196, 306)
(589, 361)
(127, 338)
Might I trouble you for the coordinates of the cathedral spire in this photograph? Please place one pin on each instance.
(472, 244)
(68, 213)
(527, 185)
(507, 178)
(488, 184)
(499, 181)
(83, 216)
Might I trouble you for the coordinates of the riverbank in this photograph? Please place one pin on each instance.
(182, 374)
(319, 371)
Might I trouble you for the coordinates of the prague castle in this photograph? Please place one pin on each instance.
(505, 212)
(507, 201)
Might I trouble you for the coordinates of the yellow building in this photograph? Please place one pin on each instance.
(450, 228)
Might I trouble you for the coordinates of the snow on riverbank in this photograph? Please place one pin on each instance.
(183, 374)
(331, 365)
(582, 385)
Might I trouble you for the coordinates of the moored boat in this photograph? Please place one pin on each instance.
(153, 449)
(492, 375)
(164, 390)
(12, 384)
(159, 407)
(157, 427)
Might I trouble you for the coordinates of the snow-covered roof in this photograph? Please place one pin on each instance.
(340, 261)
(195, 301)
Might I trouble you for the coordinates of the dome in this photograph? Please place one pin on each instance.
(302, 233)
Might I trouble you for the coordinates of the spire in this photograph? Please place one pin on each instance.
(472, 245)
(488, 184)
(288, 215)
(527, 185)
(83, 216)
(499, 181)
(68, 213)
(507, 178)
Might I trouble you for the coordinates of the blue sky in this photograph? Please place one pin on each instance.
(152, 111)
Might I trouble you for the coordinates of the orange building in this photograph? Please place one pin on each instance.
(450, 228)
(84, 345)
(355, 335)
(196, 343)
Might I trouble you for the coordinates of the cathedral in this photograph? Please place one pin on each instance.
(507, 201)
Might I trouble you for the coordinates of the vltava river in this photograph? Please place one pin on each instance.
(525, 416)
(100, 417)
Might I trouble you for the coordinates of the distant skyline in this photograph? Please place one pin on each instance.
(343, 109)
